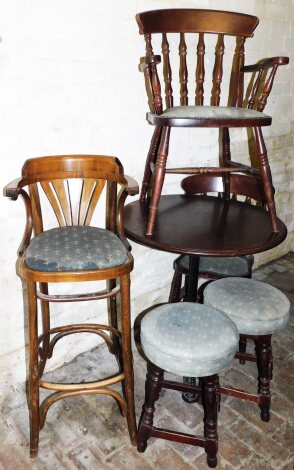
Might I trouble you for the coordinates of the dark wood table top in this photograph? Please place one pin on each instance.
(203, 225)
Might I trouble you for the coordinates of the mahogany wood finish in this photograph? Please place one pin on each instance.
(203, 226)
(73, 185)
(200, 23)
(248, 188)
(264, 361)
(208, 391)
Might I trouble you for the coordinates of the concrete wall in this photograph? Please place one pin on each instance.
(69, 83)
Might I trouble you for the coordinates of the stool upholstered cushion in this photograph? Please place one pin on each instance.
(225, 266)
(75, 248)
(255, 307)
(189, 339)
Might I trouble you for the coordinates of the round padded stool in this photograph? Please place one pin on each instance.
(186, 339)
(258, 310)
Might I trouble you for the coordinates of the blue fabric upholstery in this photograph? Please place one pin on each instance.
(255, 307)
(189, 339)
(211, 112)
(224, 266)
(75, 248)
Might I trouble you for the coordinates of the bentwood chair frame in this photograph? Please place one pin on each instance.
(53, 175)
(203, 22)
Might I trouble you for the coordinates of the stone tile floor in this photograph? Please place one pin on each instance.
(89, 433)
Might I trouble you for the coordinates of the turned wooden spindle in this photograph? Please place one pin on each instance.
(153, 387)
(167, 72)
(183, 73)
(211, 390)
(263, 359)
(267, 89)
(251, 101)
(266, 176)
(149, 48)
(200, 71)
(240, 74)
(226, 156)
(217, 71)
(156, 89)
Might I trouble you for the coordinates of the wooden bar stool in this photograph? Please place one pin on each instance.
(192, 340)
(73, 252)
(258, 310)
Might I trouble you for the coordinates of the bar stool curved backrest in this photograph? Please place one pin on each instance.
(74, 251)
(246, 190)
(195, 30)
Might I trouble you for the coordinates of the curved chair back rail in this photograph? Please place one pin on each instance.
(73, 185)
(236, 185)
(200, 23)
(249, 190)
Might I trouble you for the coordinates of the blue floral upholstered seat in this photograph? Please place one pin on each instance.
(75, 248)
(224, 266)
(189, 339)
(255, 307)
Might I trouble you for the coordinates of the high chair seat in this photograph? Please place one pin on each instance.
(75, 248)
(215, 116)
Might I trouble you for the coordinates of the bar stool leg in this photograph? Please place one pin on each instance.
(153, 386)
(191, 288)
(263, 353)
(242, 347)
(127, 356)
(271, 363)
(33, 381)
(210, 418)
(113, 320)
(44, 349)
(175, 289)
(158, 179)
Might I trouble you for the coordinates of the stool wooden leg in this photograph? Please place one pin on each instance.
(112, 319)
(152, 388)
(263, 355)
(44, 350)
(158, 179)
(150, 159)
(242, 347)
(218, 393)
(175, 289)
(271, 363)
(210, 418)
(127, 356)
(33, 381)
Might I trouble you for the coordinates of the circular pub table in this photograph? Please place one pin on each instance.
(202, 226)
